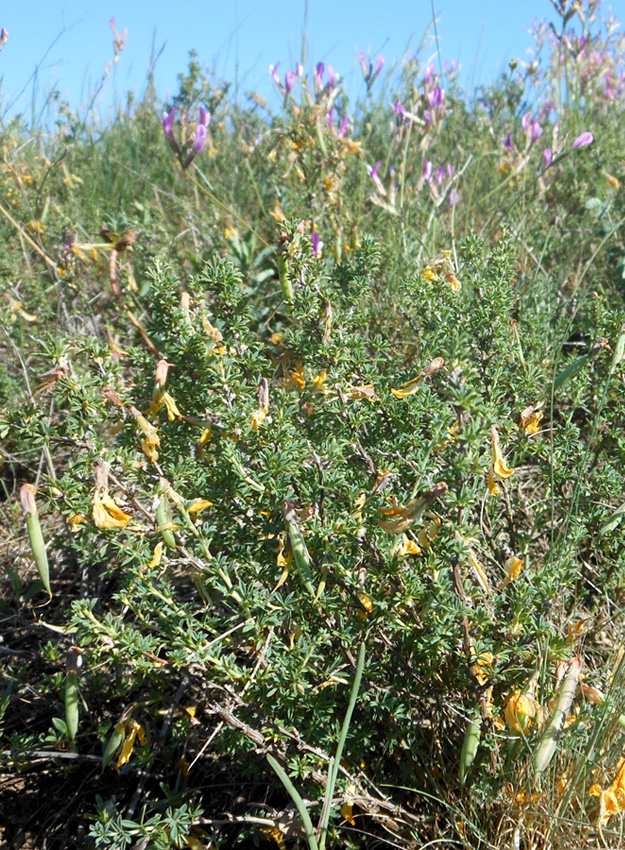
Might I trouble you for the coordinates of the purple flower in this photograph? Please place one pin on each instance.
(318, 75)
(428, 117)
(427, 170)
(4, 37)
(400, 109)
(508, 143)
(333, 77)
(315, 241)
(373, 173)
(536, 131)
(299, 69)
(273, 70)
(525, 121)
(547, 157)
(289, 81)
(200, 138)
(429, 74)
(363, 65)
(167, 120)
(582, 141)
(440, 175)
(454, 197)
(205, 117)
(343, 127)
(435, 97)
(379, 65)
(330, 117)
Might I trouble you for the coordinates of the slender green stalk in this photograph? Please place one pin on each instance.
(299, 803)
(333, 769)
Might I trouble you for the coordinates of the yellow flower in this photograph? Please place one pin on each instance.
(406, 547)
(156, 557)
(297, 376)
(520, 711)
(612, 800)
(499, 468)
(277, 212)
(319, 383)
(512, 567)
(611, 181)
(366, 603)
(257, 418)
(199, 505)
(428, 274)
(130, 730)
(530, 419)
(150, 441)
(347, 813)
(75, 521)
(164, 398)
(107, 514)
(429, 532)
(407, 389)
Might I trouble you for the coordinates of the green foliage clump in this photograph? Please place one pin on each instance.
(323, 437)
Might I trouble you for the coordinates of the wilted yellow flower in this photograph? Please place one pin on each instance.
(611, 181)
(406, 547)
(277, 212)
(362, 391)
(130, 730)
(273, 832)
(483, 661)
(612, 800)
(75, 521)
(413, 511)
(106, 513)
(498, 469)
(512, 567)
(429, 532)
(442, 267)
(162, 398)
(257, 418)
(530, 419)
(520, 711)
(150, 440)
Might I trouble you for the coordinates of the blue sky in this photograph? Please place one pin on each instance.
(68, 43)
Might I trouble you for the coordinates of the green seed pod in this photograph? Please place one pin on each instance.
(572, 369)
(619, 350)
(320, 139)
(73, 664)
(71, 704)
(469, 746)
(285, 283)
(37, 544)
(301, 556)
(548, 743)
(163, 519)
(112, 745)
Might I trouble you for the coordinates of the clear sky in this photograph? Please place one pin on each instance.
(65, 44)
